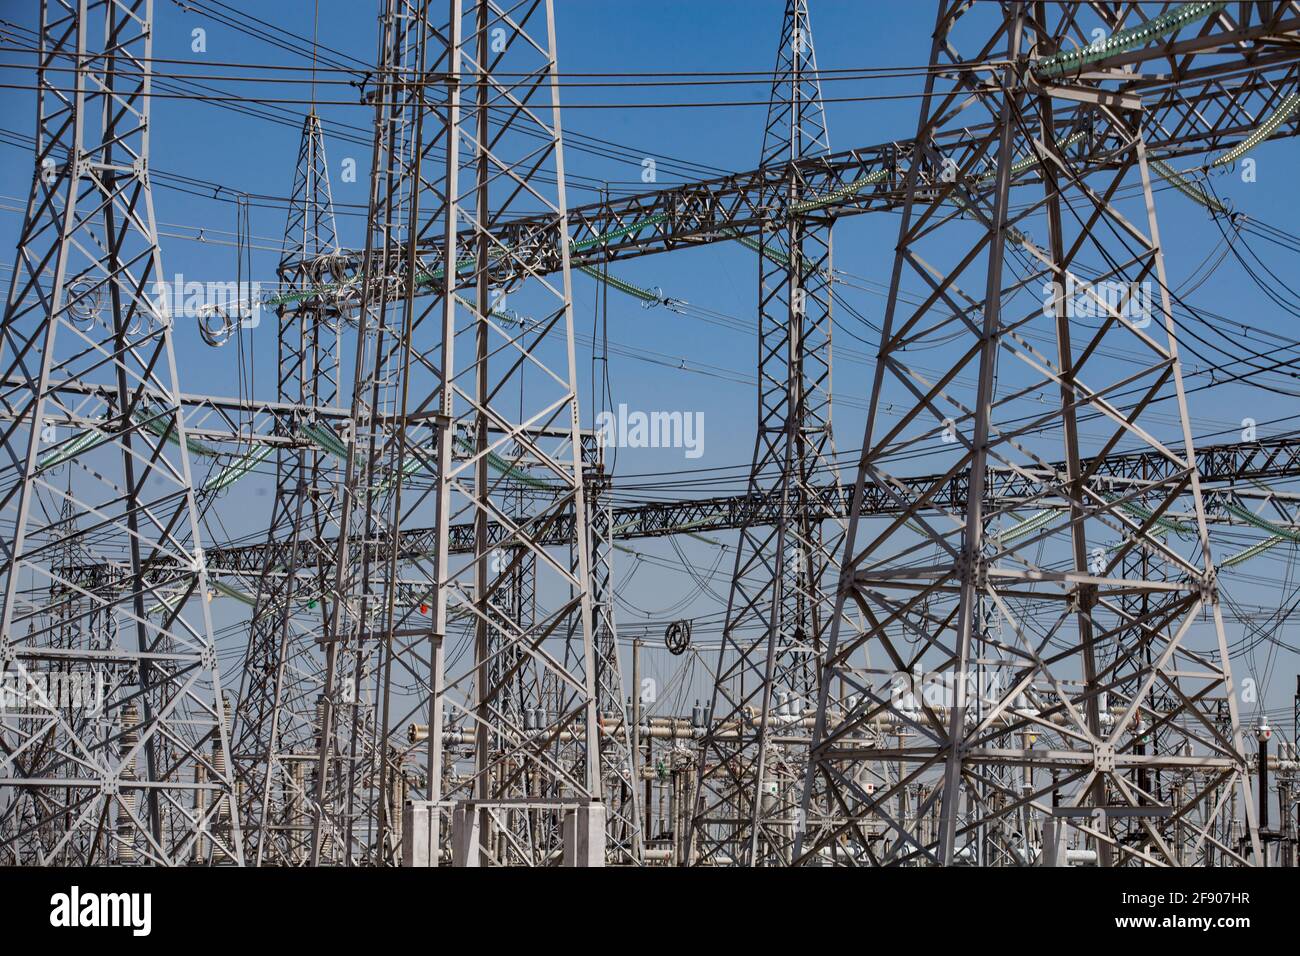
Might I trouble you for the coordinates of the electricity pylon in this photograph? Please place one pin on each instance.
(994, 644)
(747, 809)
(507, 154)
(441, 423)
(622, 794)
(275, 728)
(351, 805)
(142, 775)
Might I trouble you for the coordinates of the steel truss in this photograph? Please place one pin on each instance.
(137, 771)
(747, 795)
(545, 774)
(1227, 474)
(1192, 108)
(449, 428)
(276, 720)
(356, 765)
(1049, 681)
(618, 761)
(472, 519)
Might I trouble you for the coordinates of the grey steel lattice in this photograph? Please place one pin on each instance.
(144, 777)
(1063, 693)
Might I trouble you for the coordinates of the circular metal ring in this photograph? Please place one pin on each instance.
(215, 326)
(677, 637)
(84, 302)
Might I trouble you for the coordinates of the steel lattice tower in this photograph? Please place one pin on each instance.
(96, 463)
(503, 152)
(617, 736)
(1050, 673)
(1023, 660)
(351, 804)
(275, 727)
(442, 424)
(779, 603)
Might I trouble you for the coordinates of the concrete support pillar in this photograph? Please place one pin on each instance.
(584, 835)
(420, 834)
(466, 835)
(1053, 832)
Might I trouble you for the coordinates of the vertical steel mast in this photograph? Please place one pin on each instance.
(275, 721)
(779, 604)
(373, 628)
(999, 641)
(465, 411)
(504, 118)
(141, 776)
(618, 736)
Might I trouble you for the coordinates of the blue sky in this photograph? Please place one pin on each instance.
(223, 151)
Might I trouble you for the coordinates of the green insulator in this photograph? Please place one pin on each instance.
(1067, 61)
(1265, 130)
